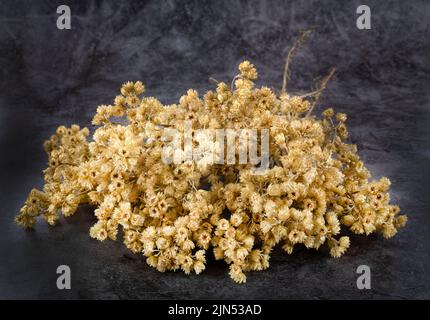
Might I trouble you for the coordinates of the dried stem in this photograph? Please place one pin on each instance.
(300, 40)
(318, 92)
(213, 80)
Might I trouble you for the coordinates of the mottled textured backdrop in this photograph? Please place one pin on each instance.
(51, 77)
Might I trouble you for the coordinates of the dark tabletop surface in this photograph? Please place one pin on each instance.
(51, 77)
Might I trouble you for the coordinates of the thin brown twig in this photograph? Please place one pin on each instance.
(213, 79)
(300, 40)
(318, 92)
(232, 82)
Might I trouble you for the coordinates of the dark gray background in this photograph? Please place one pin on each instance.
(51, 77)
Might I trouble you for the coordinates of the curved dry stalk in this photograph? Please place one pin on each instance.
(318, 92)
(299, 41)
(213, 80)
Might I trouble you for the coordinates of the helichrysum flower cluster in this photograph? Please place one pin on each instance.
(173, 214)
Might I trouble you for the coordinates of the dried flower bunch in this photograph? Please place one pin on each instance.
(174, 213)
